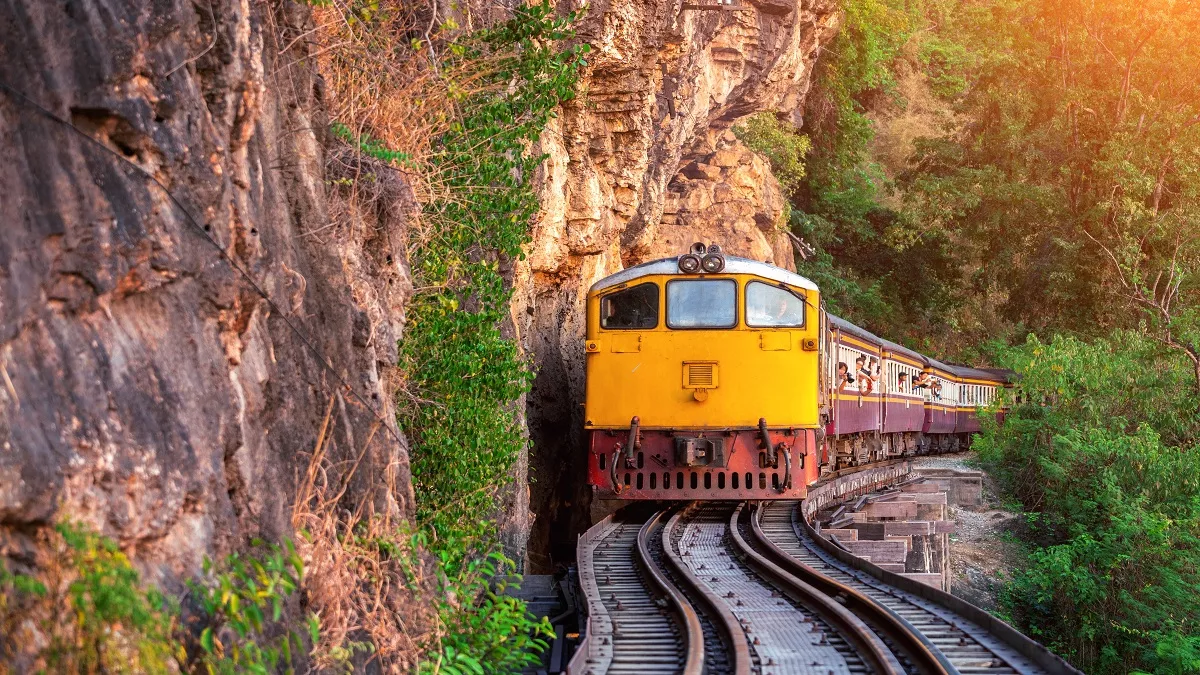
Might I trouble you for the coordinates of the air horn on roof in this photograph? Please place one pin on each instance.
(701, 258)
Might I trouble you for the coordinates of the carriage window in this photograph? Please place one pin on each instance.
(631, 308)
(702, 303)
(769, 306)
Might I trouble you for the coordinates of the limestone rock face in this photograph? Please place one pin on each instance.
(640, 166)
(725, 194)
(147, 387)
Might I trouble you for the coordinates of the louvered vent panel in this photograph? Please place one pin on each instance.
(700, 375)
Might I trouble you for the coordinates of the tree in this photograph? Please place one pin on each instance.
(1074, 177)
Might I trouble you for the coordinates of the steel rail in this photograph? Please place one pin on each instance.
(921, 652)
(717, 611)
(958, 628)
(628, 631)
(866, 643)
(690, 622)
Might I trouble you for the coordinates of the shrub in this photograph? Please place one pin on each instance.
(1102, 454)
(243, 599)
(99, 617)
(114, 624)
(478, 101)
(779, 143)
(464, 375)
(491, 634)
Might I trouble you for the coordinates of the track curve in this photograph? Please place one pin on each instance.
(955, 642)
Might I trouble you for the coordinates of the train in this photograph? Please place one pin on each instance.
(711, 376)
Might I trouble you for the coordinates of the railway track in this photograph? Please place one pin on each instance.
(935, 638)
(715, 588)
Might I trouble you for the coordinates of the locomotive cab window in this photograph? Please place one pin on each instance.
(702, 303)
(770, 306)
(630, 309)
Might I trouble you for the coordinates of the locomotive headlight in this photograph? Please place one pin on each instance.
(712, 263)
(689, 263)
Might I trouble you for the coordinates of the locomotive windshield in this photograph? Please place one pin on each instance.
(702, 303)
(772, 307)
(631, 308)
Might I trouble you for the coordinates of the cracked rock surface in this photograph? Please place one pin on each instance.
(147, 388)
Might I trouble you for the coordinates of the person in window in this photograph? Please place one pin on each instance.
(921, 382)
(937, 389)
(902, 383)
(875, 369)
(866, 383)
(780, 310)
(844, 377)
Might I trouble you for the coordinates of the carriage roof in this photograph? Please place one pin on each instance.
(999, 375)
(852, 329)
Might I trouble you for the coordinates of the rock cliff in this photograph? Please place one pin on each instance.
(641, 165)
(147, 387)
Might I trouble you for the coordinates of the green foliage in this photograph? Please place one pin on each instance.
(371, 147)
(780, 143)
(1103, 454)
(244, 598)
(859, 65)
(945, 62)
(494, 91)
(118, 626)
(101, 618)
(491, 633)
(466, 373)
(1074, 115)
(878, 265)
(1061, 196)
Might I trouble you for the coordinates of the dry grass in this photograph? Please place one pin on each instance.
(393, 76)
(399, 79)
(363, 577)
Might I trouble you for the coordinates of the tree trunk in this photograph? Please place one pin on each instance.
(1196, 372)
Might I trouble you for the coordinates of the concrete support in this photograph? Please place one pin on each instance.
(901, 530)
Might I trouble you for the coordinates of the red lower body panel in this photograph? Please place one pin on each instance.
(668, 465)
(940, 421)
(968, 422)
(898, 417)
(856, 415)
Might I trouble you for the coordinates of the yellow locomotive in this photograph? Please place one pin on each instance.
(702, 379)
(713, 377)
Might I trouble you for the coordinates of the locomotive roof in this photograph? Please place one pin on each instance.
(733, 265)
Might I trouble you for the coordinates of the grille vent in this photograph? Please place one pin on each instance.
(700, 375)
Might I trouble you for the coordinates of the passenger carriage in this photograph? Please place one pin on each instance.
(940, 396)
(903, 407)
(977, 389)
(853, 372)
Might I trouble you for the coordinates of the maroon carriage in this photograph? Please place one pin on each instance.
(855, 393)
(903, 405)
